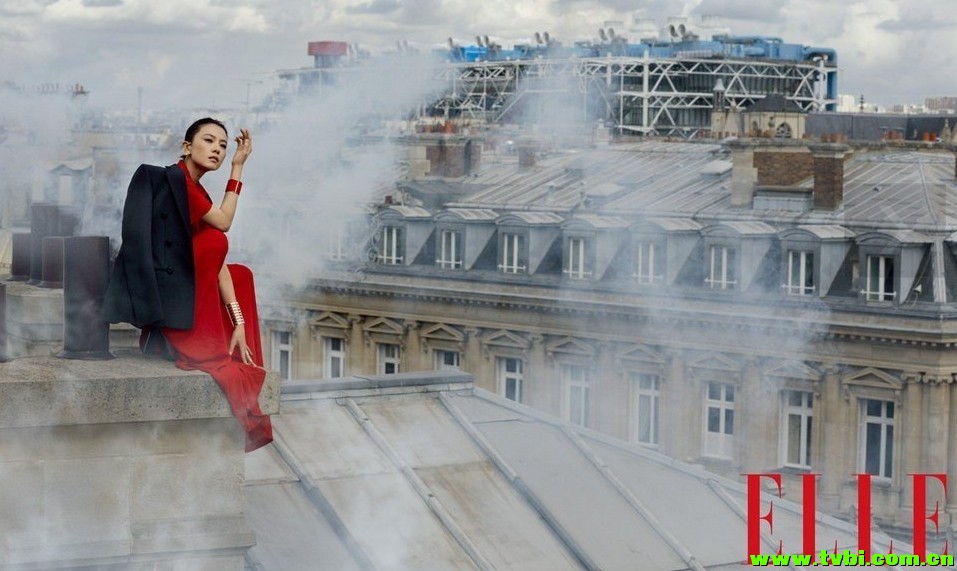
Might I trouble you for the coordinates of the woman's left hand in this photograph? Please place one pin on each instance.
(244, 147)
(238, 340)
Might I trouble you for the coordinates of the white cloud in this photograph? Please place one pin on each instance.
(891, 50)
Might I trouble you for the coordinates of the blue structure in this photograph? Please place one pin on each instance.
(654, 86)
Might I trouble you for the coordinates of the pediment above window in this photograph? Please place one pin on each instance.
(715, 362)
(642, 353)
(869, 382)
(793, 370)
(384, 326)
(570, 346)
(330, 320)
(442, 332)
(503, 338)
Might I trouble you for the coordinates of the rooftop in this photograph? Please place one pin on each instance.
(425, 471)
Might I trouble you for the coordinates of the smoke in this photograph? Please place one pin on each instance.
(318, 162)
(34, 133)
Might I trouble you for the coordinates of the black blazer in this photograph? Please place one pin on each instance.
(153, 277)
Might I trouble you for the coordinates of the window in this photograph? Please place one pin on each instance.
(800, 279)
(388, 359)
(513, 254)
(282, 353)
(796, 428)
(333, 357)
(577, 393)
(336, 242)
(392, 246)
(510, 378)
(450, 250)
(649, 264)
(719, 420)
(576, 260)
(876, 437)
(446, 359)
(647, 390)
(722, 275)
(880, 279)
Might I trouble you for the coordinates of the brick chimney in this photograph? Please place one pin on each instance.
(782, 166)
(447, 155)
(828, 160)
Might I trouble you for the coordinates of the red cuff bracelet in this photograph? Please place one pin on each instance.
(233, 185)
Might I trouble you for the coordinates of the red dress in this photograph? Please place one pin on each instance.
(205, 346)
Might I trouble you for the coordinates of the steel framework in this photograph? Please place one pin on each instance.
(646, 95)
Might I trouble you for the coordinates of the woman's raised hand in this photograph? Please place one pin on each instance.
(244, 147)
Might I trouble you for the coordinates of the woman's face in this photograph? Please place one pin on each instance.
(207, 150)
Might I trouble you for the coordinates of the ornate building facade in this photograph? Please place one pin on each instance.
(759, 306)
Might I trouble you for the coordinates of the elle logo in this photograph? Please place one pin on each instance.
(809, 484)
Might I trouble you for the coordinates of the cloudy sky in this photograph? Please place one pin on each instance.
(211, 53)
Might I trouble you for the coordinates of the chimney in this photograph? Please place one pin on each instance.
(828, 175)
(526, 154)
(86, 273)
(743, 173)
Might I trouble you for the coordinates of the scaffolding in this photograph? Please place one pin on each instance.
(647, 95)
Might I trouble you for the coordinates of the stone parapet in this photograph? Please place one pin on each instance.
(123, 464)
(34, 319)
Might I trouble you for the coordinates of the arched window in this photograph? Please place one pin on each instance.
(783, 131)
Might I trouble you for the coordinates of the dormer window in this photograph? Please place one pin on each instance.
(450, 250)
(800, 273)
(649, 263)
(722, 274)
(392, 247)
(513, 258)
(336, 242)
(879, 284)
(577, 259)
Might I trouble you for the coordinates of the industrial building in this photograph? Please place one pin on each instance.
(666, 85)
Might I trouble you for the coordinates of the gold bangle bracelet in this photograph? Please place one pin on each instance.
(235, 313)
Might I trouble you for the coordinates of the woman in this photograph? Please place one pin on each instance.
(170, 277)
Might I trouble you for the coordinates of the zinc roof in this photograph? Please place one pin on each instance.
(425, 471)
(883, 187)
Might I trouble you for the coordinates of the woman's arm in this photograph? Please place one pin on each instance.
(238, 338)
(222, 217)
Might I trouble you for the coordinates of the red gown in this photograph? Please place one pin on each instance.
(205, 346)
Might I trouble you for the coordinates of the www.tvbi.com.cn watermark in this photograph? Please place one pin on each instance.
(757, 520)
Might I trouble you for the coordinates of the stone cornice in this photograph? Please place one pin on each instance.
(817, 323)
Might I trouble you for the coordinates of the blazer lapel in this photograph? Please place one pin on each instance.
(177, 183)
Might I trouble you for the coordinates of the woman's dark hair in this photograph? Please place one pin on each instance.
(191, 131)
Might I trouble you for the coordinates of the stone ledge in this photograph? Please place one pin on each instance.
(48, 391)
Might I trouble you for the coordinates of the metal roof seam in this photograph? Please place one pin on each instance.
(736, 508)
(686, 555)
(516, 481)
(321, 503)
(420, 487)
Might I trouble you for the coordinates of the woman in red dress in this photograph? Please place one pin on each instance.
(170, 277)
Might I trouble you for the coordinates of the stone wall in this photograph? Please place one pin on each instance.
(123, 464)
